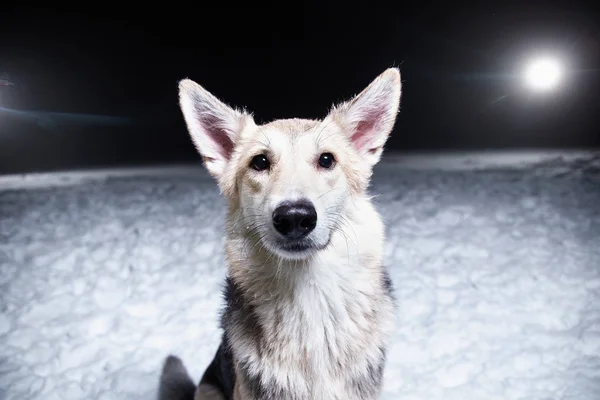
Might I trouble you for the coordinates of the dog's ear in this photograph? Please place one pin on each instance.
(369, 117)
(213, 126)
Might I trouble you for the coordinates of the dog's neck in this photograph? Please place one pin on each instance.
(325, 320)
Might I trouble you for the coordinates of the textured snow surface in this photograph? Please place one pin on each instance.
(497, 275)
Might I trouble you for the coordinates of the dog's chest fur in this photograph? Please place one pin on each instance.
(321, 336)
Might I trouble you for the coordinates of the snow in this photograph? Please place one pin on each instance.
(495, 259)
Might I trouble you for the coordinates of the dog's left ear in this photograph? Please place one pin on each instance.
(369, 117)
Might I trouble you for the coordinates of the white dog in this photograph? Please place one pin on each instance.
(309, 304)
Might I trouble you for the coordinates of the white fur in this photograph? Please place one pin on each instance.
(317, 303)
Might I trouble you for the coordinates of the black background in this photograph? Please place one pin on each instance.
(459, 65)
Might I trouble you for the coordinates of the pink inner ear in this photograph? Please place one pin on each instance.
(361, 136)
(222, 142)
(365, 131)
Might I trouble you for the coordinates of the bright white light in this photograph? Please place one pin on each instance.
(543, 74)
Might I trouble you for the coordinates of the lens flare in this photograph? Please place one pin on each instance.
(543, 74)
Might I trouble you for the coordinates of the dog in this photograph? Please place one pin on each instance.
(309, 305)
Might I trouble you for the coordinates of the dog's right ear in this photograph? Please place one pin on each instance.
(213, 125)
(369, 117)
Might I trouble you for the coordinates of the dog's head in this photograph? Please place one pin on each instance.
(289, 181)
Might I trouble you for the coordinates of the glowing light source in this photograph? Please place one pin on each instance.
(543, 74)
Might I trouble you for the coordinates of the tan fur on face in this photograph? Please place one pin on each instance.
(293, 148)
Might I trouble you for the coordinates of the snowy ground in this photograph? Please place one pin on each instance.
(496, 267)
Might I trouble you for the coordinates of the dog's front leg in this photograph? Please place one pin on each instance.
(237, 394)
(208, 392)
(241, 390)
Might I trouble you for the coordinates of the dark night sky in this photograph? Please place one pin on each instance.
(459, 66)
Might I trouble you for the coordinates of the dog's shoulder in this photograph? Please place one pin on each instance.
(239, 318)
(238, 312)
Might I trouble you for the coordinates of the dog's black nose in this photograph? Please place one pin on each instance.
(295, 220)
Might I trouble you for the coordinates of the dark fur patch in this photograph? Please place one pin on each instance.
(239, 314)
(258, 389)
(369, 384)
(220, 373)
(388, 285)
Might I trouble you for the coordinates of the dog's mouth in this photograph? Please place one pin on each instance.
(296, 246)
(300, 248)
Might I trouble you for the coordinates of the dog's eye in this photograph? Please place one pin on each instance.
(326, 160)
(260, 163)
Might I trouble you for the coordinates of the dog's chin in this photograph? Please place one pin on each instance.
(293, 250)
